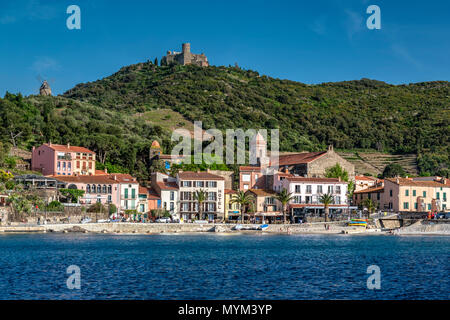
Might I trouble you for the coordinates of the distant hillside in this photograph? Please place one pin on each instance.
(122, 113)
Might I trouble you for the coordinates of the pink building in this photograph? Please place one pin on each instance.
(63, 160)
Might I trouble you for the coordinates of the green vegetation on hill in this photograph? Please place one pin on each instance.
(113, 116)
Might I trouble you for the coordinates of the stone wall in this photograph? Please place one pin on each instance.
(317, 167)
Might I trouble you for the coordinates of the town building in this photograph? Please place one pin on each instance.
(185, 57)
(314, 164)
(63, 160)
(167, 189)
(232, 210)
(364, 182)
(306, 194)
(189, 182)
(266, 208)
(251, 177)
(374, 193)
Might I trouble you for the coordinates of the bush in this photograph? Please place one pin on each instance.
(55, 206)
(112, 209)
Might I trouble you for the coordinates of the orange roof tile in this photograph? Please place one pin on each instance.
(410, 182)
(365, 178)
(167, 185)
(230, 191)
(66, 148)
(299, 158)
(191, 175)
(370, 190)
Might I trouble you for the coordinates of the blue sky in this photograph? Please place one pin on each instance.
(307, 41)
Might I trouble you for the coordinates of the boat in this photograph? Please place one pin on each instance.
(238, 227)
(358, 223)
(263, 227)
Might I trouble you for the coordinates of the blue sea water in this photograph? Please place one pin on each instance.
(215, 266)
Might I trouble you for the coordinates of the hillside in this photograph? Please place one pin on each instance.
(120, 114)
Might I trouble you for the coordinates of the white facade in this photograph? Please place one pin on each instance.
(129, 195)
(308, 190)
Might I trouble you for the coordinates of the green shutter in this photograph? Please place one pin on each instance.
(126, 193)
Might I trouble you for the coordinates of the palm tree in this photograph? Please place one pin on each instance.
(200, 197)
(243, 200)
(326, 199)
(368, 203)
(284, 197)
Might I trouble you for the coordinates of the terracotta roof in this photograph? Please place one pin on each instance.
(66, 148)
(123, 177)
(318, 180)
(230, 191)
(249, 168)
(370, 190)
(152, 195)
(155, 144)
(167, 185)
(262, 192)
(299, 158)
(365, 178)
(142, 190)
(190, 175)
(100, 172)
(413, 183)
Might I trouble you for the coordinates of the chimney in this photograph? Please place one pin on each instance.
(115, 177)
(106, 170)
(397, 180)
(68, 145)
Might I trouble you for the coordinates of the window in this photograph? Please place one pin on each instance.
(109, 189)
(297, 189)
(429, 206)
(369, 196)
(185, 195)
(88, 188)
(246, 177)
(297, 199)
(109, 199)
(133, 193)
(437, 195)
(444, 196)
(99, 188)
(245, 186)
(185, 207)
(337, 200)
(211, 184)
(69, 166)
(104, 188)
(200, 184)
(415, 205)
(407, 192)
(308, 189)
(172, 195)
(256, 177)
(64, 166)
(319, 190)
(126, 193)
(390, 193)
(424, 194)
(378, 196)
(338, 189)
(270, 200)
(414, 193)
(186, 184)
(78, 164)
(330, 189)
(211, 196)
(172, 206)
(405, 205)
(59, 165)
(211, 207)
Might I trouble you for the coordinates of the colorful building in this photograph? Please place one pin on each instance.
(232, 210)
(189, 182)
(63, 160)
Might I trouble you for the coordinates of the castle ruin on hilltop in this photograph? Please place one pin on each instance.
(185, 57)
(45, 89)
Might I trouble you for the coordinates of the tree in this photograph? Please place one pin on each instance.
(284, 197)
(72, 194)
(393, 170)
(156, 62)
(336, 171)
(200, 196)
(370, 205)
(243, 200)
(326, 199)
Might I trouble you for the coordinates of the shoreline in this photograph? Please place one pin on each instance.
(124, 228)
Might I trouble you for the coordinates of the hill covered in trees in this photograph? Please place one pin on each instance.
(120, 115)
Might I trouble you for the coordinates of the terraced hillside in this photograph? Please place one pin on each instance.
(375, 162)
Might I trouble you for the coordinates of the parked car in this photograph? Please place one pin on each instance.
(443, 215)
(163, 220)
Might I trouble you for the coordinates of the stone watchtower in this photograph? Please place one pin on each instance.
(45, 89)
(185, 57)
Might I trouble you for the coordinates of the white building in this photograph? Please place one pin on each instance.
(214, 185)
(129, 191)
(307, 191)
(167, 188)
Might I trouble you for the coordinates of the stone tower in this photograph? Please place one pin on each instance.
(45, 89)
(155, 150)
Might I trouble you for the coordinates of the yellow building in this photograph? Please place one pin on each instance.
(232, 210)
